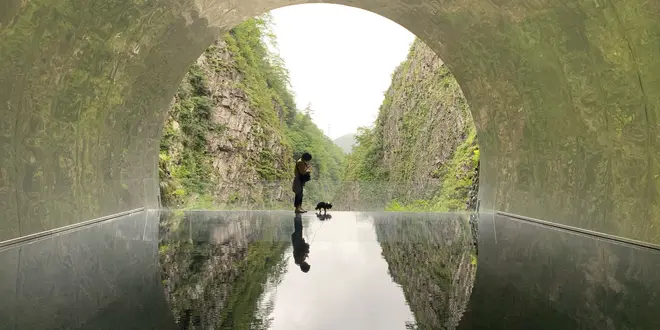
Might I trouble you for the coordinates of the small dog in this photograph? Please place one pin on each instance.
(323, 205)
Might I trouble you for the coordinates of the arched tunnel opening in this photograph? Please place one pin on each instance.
(562, 96)
(236, 127)
(420, 155)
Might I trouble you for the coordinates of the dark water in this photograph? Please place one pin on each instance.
(246, 270)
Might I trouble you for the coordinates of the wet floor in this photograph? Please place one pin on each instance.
(347, 282)
(343, 271)
(272, 270)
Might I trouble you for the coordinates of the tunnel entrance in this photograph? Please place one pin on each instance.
(562, 95)
(234, 130)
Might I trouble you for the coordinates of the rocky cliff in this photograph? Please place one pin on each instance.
(423, 141)
(233, 131)
(422, 155)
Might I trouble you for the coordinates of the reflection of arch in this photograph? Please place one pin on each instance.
(557, 91)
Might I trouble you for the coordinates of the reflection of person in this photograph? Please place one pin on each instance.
(301, 175)
(300, 247)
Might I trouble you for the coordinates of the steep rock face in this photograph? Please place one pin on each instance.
(233, 131)
(423, 142)
(422, 155)
(219, 145)
(246, 135)
(424, 117)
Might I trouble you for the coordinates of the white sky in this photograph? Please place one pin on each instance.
(340, 59)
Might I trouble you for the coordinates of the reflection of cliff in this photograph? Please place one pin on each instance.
(433, 259)
(214, 269)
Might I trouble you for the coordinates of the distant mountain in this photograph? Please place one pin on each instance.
(346, 142)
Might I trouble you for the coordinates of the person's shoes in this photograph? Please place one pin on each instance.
(298, 210)
(302, 210)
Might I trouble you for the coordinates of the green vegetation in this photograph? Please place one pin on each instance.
(184, 163)
(423, 142)
(327, 161)
(458, 178)
(265, 79)
(257, 76)
(420, 155)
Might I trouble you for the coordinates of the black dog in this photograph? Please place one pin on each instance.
(323, 205)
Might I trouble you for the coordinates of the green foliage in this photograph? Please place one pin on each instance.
(262, 259)
(184, 163)
(265, 80)
(265, 166)
(458, 176)
(187, 177)
(364, 163)
(423, 115)
(327, 157)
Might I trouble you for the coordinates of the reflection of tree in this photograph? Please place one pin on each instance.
(214, 268)
(433, 260)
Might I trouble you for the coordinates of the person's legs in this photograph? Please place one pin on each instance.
(300, 201)
(297, 202)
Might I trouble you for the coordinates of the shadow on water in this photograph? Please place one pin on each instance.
(251, 270)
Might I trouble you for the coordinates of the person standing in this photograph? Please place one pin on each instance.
(302, 174)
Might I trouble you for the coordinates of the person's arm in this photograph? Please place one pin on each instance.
(302, 167)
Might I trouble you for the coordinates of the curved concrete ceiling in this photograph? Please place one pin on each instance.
(564, 95)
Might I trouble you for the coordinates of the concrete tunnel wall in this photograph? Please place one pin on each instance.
(564, 95)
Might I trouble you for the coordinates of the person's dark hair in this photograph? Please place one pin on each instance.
(305, 267)
(306, 156)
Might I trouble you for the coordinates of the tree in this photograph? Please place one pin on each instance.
(308, 110)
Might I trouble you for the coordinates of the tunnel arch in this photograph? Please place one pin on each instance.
(561, 94)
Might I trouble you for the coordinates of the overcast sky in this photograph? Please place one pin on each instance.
(340, 60)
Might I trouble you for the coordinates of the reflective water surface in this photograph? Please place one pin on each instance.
(248, 270)
(343, 270)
